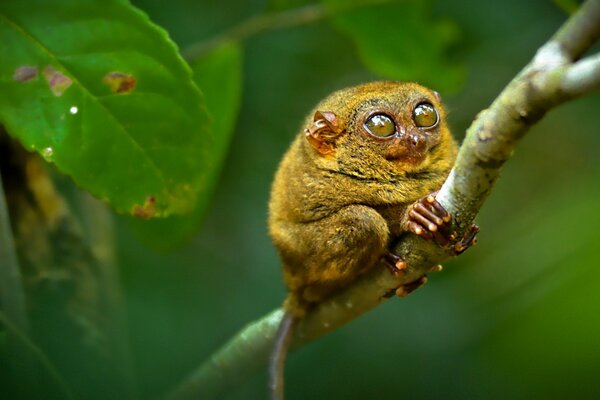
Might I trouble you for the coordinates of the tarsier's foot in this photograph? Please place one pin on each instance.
(394, 263)
(429, 219)
(469, 239)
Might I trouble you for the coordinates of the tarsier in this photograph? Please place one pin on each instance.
(363, 172)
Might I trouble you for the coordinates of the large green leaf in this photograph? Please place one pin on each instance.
(402, 41)
(99, 90)
(219, 75)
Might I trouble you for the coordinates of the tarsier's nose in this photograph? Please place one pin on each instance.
(414, 142)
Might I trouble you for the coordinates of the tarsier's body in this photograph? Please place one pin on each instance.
(353, 181)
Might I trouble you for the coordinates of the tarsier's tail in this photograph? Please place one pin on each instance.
(283, 338)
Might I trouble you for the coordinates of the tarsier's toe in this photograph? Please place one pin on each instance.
(419, 230)
(394, 263)
(440, 211)
(408, 288)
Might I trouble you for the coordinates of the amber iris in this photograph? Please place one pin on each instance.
(425, 115)
(380, 125)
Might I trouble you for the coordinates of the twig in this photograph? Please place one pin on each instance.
(553, 77)
(272, 21)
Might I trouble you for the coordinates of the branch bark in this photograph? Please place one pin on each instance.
(555, 75)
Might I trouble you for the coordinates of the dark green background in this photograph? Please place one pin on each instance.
(515, 317)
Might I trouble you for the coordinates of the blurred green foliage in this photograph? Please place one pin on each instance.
(515, 317)
(403, 41)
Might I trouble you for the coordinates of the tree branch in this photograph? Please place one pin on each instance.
(550, 79)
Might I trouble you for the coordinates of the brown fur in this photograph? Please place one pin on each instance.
(334, 213)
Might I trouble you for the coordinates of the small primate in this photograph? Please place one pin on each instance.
(363, 171)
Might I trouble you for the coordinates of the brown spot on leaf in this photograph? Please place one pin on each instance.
(119, 82)
(57, 81)
(25, 73)
(147, 210)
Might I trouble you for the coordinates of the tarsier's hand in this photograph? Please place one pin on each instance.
(429, 219)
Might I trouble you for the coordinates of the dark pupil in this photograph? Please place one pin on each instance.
(425, 115)
(380, 125)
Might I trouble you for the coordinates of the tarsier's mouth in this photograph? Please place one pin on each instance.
(415, 161)
(407, 157)
(408, 148)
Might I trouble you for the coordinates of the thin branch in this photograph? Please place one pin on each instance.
(550, 79)
(583, 77)
(272, 21)
(580, 31)
(255, 25)
(493, 136)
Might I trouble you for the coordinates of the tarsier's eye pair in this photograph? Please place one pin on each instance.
(381, 125)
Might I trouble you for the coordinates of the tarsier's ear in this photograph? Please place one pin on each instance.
(321, 134)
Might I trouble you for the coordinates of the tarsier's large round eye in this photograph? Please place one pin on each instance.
(380, 125)
(425, 115)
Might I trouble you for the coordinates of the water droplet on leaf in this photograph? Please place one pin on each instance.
(48, 152)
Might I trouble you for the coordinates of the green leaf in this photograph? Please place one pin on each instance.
(219, 74)
(100, 91)
(401, 41)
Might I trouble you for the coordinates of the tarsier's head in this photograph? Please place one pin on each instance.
(389, 125)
